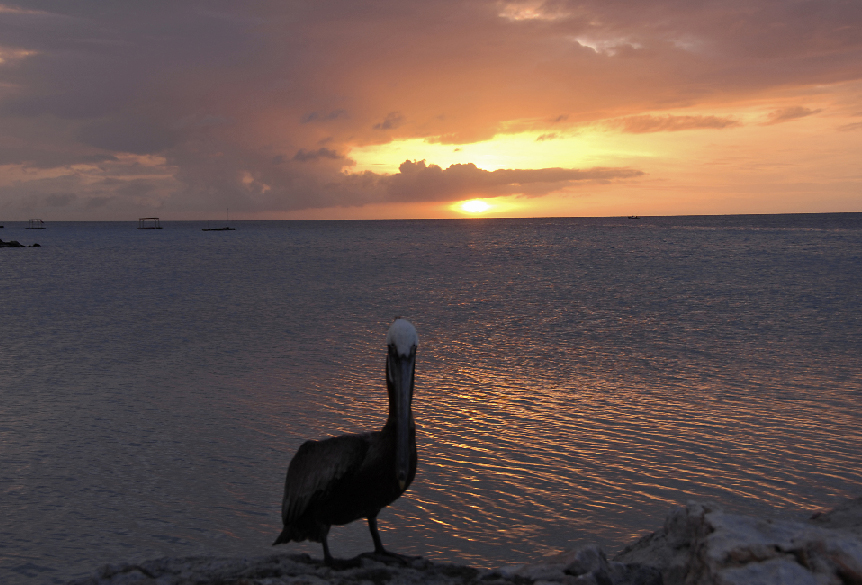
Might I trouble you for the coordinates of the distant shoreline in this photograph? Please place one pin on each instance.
(472, 218)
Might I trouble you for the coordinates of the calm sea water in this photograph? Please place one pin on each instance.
(576, 379)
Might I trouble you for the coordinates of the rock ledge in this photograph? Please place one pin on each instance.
(699, 544)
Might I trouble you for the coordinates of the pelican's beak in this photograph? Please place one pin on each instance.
(402, 369)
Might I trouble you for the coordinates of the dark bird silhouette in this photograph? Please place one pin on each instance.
(338, 480)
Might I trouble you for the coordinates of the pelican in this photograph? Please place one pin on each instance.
(341, 479)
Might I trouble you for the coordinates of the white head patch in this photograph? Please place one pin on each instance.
(403, 336)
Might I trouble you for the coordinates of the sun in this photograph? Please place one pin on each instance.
(474, 206)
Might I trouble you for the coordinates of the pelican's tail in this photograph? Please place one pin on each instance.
(283, 537)
(294, 533)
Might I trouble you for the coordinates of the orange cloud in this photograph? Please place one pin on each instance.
(258, 106)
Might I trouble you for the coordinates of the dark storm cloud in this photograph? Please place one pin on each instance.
(88, 62)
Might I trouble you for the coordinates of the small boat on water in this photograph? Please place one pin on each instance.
(149, 223)
(221, 229)
(634, 217)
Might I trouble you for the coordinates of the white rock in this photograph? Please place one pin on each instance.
(701, 545)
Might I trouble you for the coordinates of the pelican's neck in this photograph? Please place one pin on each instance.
(400, 368)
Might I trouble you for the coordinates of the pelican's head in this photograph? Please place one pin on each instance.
(402, 336)
(400, 368)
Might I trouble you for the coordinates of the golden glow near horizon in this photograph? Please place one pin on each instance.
(526, 150)
(601, 143)
(725, 154)
(473, 206)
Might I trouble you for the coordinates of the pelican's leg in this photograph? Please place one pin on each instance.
(338, 564)
(380, 553)
(327, 558)
(375, 536)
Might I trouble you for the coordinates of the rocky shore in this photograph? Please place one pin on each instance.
(699, 544)
(16, 244)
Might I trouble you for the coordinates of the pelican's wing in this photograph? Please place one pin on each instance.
(317, 468)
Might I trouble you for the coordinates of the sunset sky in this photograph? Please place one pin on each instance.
(337, 109)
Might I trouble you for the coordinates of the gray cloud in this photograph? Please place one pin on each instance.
(128, 133)
(36, 157)
(304, 155)
(851, 127)
(669, 123)
(393, 120)
(74, 196)
(137, 188)
(97, 202)
(323, 117)
(418, 181)
(60, 199)
(787, 114)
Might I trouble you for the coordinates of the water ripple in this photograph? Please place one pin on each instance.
(576, 378)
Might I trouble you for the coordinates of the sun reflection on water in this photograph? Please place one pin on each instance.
(573, 382)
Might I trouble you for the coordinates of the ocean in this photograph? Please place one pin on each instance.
(576, 379)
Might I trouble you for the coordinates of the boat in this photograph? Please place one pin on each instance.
(36, 224)
(634, 217)
(149, 223)
(221, 229)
